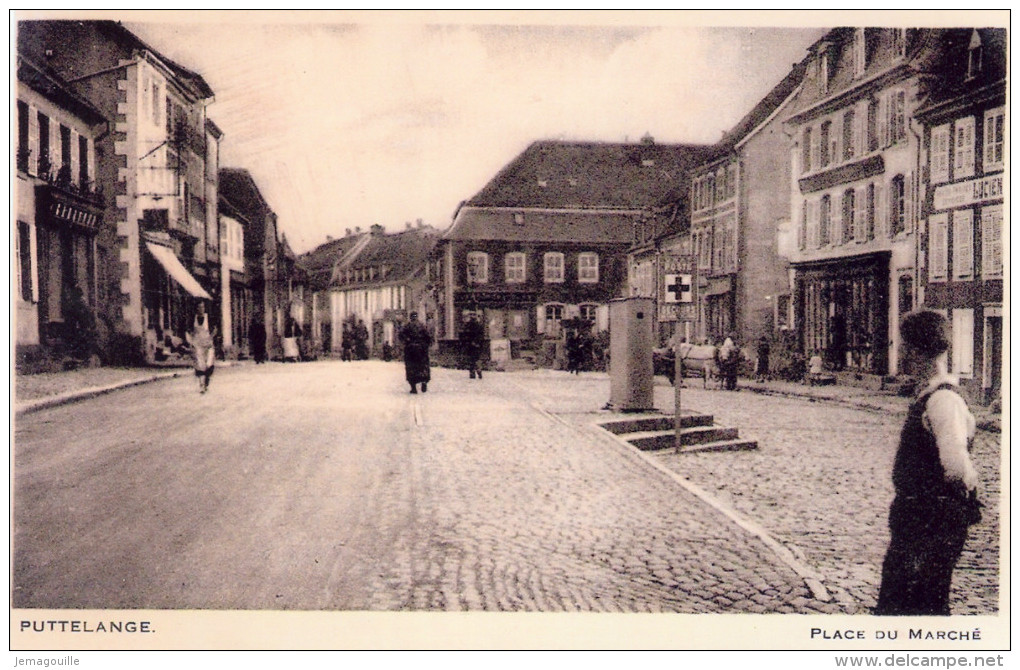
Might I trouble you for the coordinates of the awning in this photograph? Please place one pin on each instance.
(168, 259)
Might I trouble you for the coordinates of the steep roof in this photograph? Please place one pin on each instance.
(537, 225)
(766, 106)
(56, 89)
(949, 62)
(239, 187)
(591, 175)
(403, 254)
(320, 263)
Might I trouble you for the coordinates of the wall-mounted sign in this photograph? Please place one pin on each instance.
(968, 192)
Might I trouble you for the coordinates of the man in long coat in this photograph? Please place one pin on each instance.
(416, 340)
(472, 341)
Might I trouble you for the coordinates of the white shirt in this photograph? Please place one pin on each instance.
(947, 417)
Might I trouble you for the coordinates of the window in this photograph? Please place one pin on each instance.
(157, 95)
(869, 214)
(963, 244)
(514, 266)
(83, 161)
(710, 191)
(731, 181)
(824, 221)
(848, 135)
(65, 152)
(519, 218)
(994, 120)
(805, 148)
(44, 165)
(860, 52)
(825, 135)
(872, 125)
(899, 42)
(589, 312)
(587, 268)
(963, 342)
(897, 117)
(938, 154)
(963, 156)
(24, 242)
(553, 267)
(897, 206)
(477, 267)
(991, 242)
(974, 55)
(552, 318)
(937, 246)
(847, 232)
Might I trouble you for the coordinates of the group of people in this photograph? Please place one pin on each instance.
(354, 342)
(580, 347)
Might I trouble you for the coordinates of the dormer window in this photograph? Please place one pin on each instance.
(974, 55)
(543, 183)
(519, 218)
(860, 52)
(648, 162)
(899, 42)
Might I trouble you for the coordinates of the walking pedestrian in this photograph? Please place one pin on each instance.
(346, 343)
(933, 478)
(416, 340)
(729, 361)
(361, 341)
(203, 348)
(472, 340)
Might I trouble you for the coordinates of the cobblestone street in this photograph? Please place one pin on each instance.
(819, 482)
(499, 494)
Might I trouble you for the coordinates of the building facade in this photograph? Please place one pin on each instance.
(59, 213)
(154, 249)
(962, 204)
(546, 239)
(855, 193)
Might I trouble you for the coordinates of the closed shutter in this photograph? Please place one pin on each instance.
(963, 244)
(883, 121)
(991, 242)
(881, 210)
(540, 319)
(33, 140)
(909, 202)
(75, 158)
(963, 342)
(937, 234)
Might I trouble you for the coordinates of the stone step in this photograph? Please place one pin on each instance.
(722, 445)
(653, 440)
(654, 423)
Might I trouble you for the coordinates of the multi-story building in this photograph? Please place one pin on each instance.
(739, 204)
(154, 168)
(236, 294)
(379, 281)
(59, 213)
(963, 120)
(547, 238)
(242, 200)
(855, 193)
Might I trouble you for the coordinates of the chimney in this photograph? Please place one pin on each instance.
(421, 224)
(348, 233)
(329, 238)
(377, 229)
(647, 139)
(407, 225)
(357, 229)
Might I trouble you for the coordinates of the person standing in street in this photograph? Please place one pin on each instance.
(472, 340)
(934, 481)
(203, 348)
(729, 361)
(346, 343)
(257, 335)
(361, 341)
(416, 340)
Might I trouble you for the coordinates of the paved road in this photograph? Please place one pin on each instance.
(325, 486)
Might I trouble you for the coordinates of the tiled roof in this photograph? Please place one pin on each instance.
(57, 90)
(585, 175)
(239, 187)
(561, 226)
(319, 263)
(949, 61)
(767, 106)
(403, 254)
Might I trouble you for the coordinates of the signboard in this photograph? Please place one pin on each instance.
(679, 288)
(968, 192)
(499, 351)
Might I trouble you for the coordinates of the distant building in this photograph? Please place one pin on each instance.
(375, 277)
(236, 293)
(740, 204)
(266, 281)
(961, 275)
(59, 214)
(153, 253)
(319, 267)
(547, 238)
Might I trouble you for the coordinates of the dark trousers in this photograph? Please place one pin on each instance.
(927, 538)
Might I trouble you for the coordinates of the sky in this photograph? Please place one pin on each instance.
(349, 120)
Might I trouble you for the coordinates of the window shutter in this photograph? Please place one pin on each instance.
(963, 342)
(540, 319)
(881, 210)
(75, 157)
(33, 140)
(909, 193)
(991, 242)
(883, 121)
(937, 247)
(963, 244)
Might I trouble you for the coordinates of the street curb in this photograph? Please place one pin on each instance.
(84, 394)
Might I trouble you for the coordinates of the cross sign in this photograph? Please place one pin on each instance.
(678, 288)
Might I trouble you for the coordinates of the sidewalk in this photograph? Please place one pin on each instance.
(39, 391)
